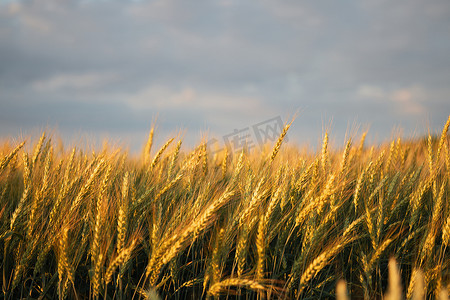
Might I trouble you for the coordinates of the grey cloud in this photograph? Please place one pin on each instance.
(77, 57)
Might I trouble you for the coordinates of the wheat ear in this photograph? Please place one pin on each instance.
(122, 216)
(63, 261)
(442, 139)
(148, 146)
(198, 226)
(86, 187)
(174, 159)
(395, 282)
(215, 289)
(9, 157)
(119, 260)
(320, 262)
(170, 248)
(279, 142)
(419, 287)
(261, 238)
(224, 162)
(361, 144)
(341, 290)
(324, 156)
(160, 152)
(345, 155)
(37, 149)
(26, 192)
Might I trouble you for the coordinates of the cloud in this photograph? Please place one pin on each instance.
(409, 99)
(370, 91)
(224, 64)
(161, 97)
(28, 19)
(406, 100)
(75, 81)
(14, 8)
(210, 103)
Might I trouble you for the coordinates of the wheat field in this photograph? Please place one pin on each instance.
(354, 223)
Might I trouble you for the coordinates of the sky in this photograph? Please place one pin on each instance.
(108, 68)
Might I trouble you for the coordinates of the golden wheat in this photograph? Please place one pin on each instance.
(159, 153)
(250, 284)
(188, 225)
(277, 146)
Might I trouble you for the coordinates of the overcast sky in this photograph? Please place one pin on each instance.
(107, 68)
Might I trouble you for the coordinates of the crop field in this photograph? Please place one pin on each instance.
(359, 222)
